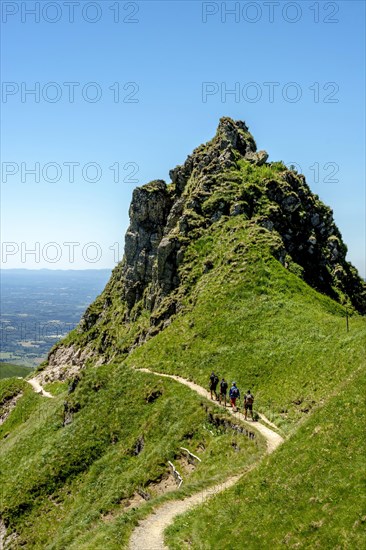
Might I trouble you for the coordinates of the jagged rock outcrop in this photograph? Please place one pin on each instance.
(161, 216)
(225, 177)
(144, 241)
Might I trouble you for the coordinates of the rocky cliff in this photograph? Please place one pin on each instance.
(223, 178)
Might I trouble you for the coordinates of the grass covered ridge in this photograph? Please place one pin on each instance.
(243, 195)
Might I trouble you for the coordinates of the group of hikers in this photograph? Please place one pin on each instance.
(234, 394)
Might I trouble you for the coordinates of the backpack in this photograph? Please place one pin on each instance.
(215, 380)
(249, 399)
(223, 386)
(234, 392)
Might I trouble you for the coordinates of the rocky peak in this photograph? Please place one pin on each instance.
(234, 134)
(224, 177)
(232, 141)
(217, 180)
(158, 213)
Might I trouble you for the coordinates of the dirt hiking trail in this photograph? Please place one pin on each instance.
(38, 388)
(149, 534)
(273, 439)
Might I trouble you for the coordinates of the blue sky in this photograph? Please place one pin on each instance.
(160, 56)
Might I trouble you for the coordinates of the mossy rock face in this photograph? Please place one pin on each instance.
(223, 178)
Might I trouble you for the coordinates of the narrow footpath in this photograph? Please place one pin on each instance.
(149, 534)
(38, 388)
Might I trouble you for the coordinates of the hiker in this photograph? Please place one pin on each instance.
(234, 394)
(223, 390)
(214, 380)
(248, 404)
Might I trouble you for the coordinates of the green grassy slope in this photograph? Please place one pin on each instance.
(310, 494)
(66, 486)
(12, 387)
(252, 320)
(247, 317)
(7, 370)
